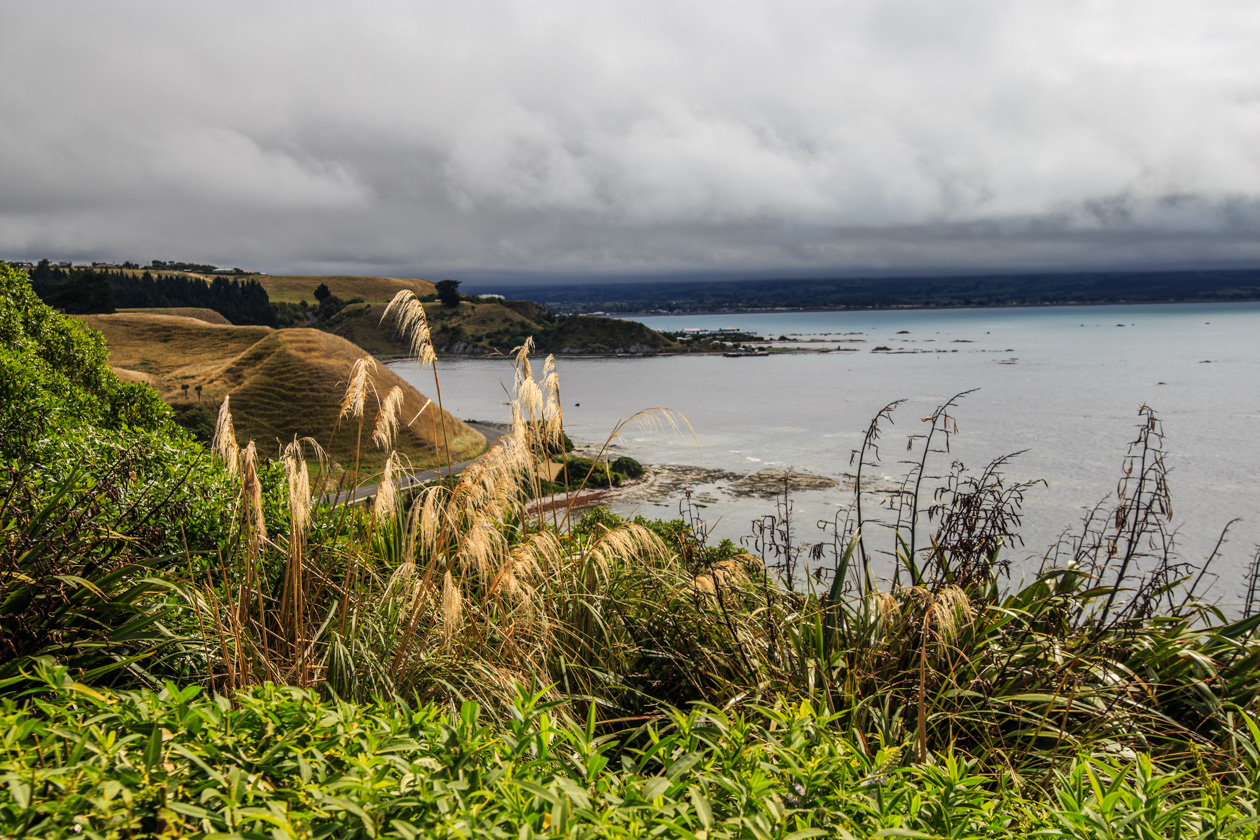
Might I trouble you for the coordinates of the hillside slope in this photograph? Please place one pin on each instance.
(291, 383)
(207, 315)
(171, 350)
(292, 288)
(282, 383)
(479, 328)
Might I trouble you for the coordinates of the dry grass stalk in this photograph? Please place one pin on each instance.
(251, 487)
(385, 505)
(385, 428)
(452, 609)
(408, 313)
(536, 406)
(298, 474)
(224, 443)
(356, 390)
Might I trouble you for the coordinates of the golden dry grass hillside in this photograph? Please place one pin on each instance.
(292, 383)
(170, 349)
(207, 315)
(282, 383)
(465, 329)
(292, 288)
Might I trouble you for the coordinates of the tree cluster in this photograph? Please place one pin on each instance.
(93, 291)
(175, 265)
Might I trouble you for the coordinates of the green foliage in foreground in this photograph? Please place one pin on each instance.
(278, 762)
(99, 491)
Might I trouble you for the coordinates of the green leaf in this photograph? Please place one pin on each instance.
(153, 749)
(701, 803)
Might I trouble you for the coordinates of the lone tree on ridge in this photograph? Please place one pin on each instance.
(448, 292)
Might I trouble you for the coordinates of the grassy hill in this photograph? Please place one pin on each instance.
(201, 314)
(282, 383)
(310, 369)
(292, 288)
(171, 349)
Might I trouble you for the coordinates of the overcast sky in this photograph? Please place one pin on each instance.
(745, 138)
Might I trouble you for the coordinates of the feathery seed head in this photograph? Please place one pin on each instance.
(386, 502)
(522, 352)
(356, 391)
(252, 489)
(385, 429)
(299, 483)
(224, 443)
(949, 612)
(452, 608)
(408, 313)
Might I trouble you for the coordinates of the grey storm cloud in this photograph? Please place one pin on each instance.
(580, 139)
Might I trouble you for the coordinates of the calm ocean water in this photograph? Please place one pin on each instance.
(1063, 383)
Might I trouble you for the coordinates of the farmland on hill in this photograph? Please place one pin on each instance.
(293, 288)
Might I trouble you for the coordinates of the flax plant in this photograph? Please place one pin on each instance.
(1105, 649)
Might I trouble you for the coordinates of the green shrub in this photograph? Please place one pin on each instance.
(279, 762)
(98, 490)
(628, 467)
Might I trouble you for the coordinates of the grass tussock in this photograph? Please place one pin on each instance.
(456, 593)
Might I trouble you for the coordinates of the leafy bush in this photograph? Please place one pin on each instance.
(279, 762)
(96, 491)
(628, 467)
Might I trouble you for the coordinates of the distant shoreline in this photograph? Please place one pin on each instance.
(911, 308)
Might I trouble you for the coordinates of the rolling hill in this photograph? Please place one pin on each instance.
(201, 314)
(282, 383)
(292, 288)
(310, 369)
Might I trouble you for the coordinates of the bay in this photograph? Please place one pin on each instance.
(1061, 384)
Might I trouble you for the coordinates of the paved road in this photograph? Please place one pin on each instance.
(416, 479)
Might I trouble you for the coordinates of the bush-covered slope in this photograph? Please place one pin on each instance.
(277, 762)
(481, 327)
(94, 494)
